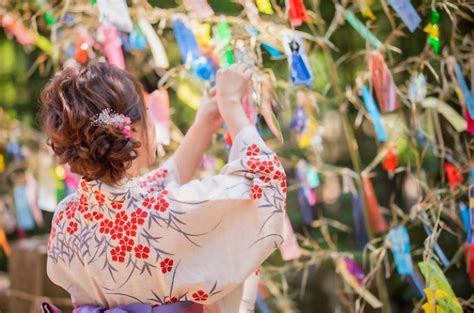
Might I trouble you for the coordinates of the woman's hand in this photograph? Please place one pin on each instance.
(208, 115)
(232, 84)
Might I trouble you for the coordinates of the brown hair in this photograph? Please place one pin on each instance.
(71, 99)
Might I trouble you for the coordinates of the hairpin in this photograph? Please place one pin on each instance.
(108, 117)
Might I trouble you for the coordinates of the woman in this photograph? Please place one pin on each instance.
(141, 243)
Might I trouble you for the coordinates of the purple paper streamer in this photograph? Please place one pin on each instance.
(407, 13)
(362, 238)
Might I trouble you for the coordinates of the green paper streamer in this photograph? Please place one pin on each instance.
(362, 30)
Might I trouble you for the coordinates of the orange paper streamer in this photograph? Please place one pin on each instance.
(382, 80)
(376, 219)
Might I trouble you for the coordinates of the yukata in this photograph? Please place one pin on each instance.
(151, 240)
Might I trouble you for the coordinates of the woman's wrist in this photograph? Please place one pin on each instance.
(202, 128)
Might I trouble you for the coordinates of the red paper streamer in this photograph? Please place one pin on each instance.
(376, 219)
(453, 174)
(390, 161)
(470, 261)
(382, 80)
(297, 12)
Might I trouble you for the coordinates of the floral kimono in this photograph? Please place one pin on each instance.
(151, 240)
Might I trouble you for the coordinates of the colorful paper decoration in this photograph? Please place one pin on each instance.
(199, 8)
(2, 163)
(469, 226)
(354, 277)
(361, 29)
(374, 113)
(417, 88)
(366, 10)
(407, 13)
(297, 59)
(390, 161)
(115, 12)
(360, 228)
(454, 175)
(189, 49)
(112, 45)
(296, 12)
(426, 225)
(433, 30)
(82, 46)
(160, 59)
(48, 15)
(466, 93)
(400, 245)
(290, 249)
(223, 34)
(298, 120)
(377, 220)
(137, 39)
(264, 6)
(24, 35)
(440, 296)
(453, 117)
(384, 87)
(306, 195)
(158, 104)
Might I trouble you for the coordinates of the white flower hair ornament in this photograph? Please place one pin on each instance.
(109, 118)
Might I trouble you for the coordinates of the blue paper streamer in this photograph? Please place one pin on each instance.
(465, 90)
(190, 52)
(442, 257)
(465, 218)
(371, 107)
(401, 250)
(416, 284)
(137, 40)
(262, 305)
(362, 238)
(306, 209)
(407, 13)
(298, 120)
(272, 50)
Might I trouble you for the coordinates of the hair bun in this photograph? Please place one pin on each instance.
(72, 99)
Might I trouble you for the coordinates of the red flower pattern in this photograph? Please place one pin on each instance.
(253, 163)
(256, 192)
(266, 167)
(121, 218)
(84, 186)
(200, 295)
(130, 229)
(139, 216)
(72, 227)
(116, 232)
(171, 300)
(162, 204)
(59, 218)
(118, 255)
(126, 244)
(116, 205)
(148, 202)
(105, 226)
(166, 265)
(142, 252)
(253, 150)
(99, 196)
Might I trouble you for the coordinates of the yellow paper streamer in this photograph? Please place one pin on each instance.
(264, 6)
(202, 31)
(188, 95)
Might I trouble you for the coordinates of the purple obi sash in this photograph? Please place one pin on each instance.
(178, 307)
